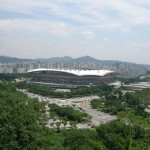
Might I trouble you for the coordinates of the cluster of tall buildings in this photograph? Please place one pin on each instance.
(125, 70)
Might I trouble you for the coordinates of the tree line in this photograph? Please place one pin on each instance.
(81, 91)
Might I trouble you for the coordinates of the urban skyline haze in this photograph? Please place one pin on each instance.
(106, 30)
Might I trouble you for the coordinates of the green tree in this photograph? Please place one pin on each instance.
(22, 122)
(82, 140)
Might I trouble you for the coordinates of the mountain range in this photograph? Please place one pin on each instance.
(6, 59)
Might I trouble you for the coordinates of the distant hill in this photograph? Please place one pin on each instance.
(55, 59)
(113, 62)
(6, 59)
(69, 59)
(86, 59)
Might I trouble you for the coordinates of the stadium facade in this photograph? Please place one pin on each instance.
(72, 78)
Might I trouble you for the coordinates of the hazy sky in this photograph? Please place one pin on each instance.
(104, 29)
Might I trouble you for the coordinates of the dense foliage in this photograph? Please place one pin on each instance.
(13, 76)
(68, 113)
(134, 80)
(129, 80)
(22, 121)
(111, 136)
(82, 91)
(119, 136)
(130, 106)
(82, 140)
(22, 127)
(117, 101)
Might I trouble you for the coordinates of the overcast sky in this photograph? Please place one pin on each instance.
(104, 29)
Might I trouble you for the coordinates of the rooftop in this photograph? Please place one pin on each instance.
(78, 72)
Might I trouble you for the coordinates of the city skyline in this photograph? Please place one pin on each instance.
(106, 30)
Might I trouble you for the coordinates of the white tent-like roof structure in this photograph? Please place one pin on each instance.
(77, 72)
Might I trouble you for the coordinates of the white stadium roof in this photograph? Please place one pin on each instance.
(77, 72)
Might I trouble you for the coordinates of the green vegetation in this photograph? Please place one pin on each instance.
(13, 76)
(116, 102)
(143, 96)
(110, 103)
(82, 91)
(82, 140)
(130, 106)
(133, 116)
(68, 113)
(129, 80)
(22, 127)
(119, 136)
(22, 121)
(111, 136)
(134, 80)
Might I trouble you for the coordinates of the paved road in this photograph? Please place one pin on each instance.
(97, 116)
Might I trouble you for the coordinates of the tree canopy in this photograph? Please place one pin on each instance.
(22, 121)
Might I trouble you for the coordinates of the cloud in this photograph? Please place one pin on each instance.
(141, 46)
(106, 39)
(32, 25)
(88, 34)
(62, 22)
(22, 6)
(126, 29)
(99, 13)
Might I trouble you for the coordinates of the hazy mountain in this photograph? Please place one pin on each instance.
(117, 62)
(68, 59)
(83, 59)
(86, 59)
(6, 59)
(113, 62)
(55, 59)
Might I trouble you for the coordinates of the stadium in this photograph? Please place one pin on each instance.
(71, 78)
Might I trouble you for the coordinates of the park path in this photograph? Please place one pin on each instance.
(79, 103)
